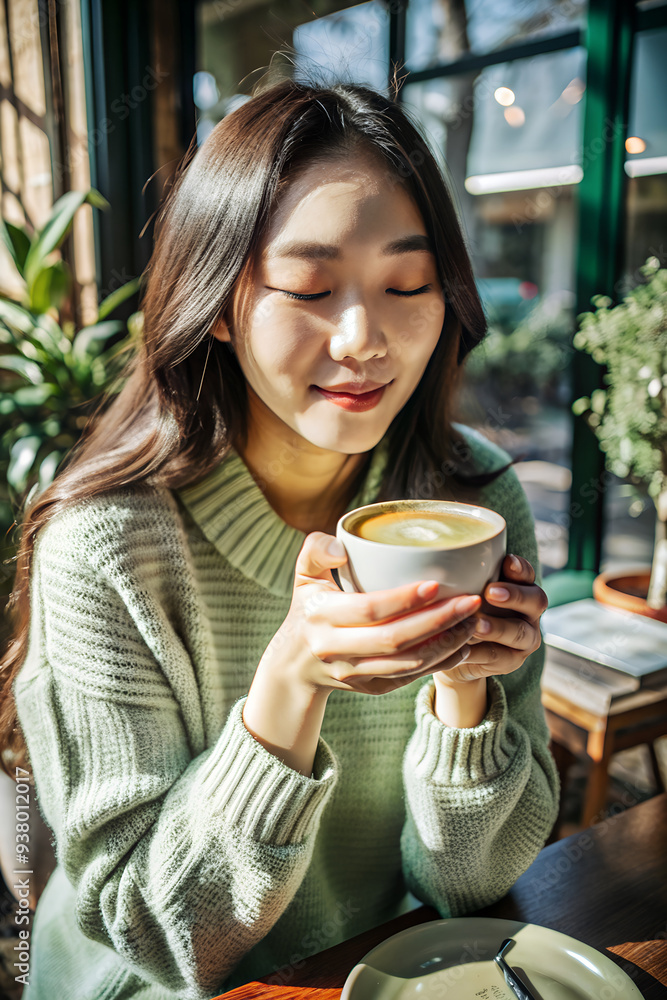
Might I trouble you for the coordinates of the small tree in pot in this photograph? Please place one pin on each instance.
(629, 416)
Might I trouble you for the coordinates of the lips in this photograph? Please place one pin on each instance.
(355, 401)
(353, 388)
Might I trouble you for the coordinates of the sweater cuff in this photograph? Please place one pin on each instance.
(259, 794)
(464, 757)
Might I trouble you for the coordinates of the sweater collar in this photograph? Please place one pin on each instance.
(238, 520)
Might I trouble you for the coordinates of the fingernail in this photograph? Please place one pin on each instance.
(515, 564)
(483, 626)
(467, 605)
(428, 589)
(465, 652)
(498, 594)
(336, 548)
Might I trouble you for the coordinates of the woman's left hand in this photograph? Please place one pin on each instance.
(501, 644)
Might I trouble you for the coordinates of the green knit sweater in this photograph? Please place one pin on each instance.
(190, 859)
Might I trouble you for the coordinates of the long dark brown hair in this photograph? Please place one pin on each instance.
(183, 403)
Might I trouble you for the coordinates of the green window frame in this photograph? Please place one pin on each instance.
(608, 39)
(119, 168)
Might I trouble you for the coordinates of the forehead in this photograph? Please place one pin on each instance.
(343, 198)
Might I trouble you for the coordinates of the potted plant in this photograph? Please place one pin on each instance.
(629, 418)
(50, 372)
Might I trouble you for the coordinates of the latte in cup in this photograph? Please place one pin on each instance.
(393, 542)
(429, 529)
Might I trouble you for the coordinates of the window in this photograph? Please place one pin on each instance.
(509, 135)
(438, 33)
(629, 515)
(239, 41)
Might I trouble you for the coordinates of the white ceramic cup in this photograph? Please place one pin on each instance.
(465, 569)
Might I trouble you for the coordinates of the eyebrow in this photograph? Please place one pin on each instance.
(310, 250)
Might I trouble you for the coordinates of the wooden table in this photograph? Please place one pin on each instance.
(606, 886)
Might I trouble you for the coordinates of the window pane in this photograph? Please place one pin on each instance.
(522, 236)
(646, 142)
(438, 33)
(528, 117)
(240, 41)
(629, 513)
(350, 45)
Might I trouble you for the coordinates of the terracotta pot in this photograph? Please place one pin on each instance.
(627, 589)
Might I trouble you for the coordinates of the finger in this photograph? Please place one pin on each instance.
(319, 553)
(374, 607)
(393, 637)
(386, 675)
(529, 599)
(515, 632)
(496, 659)
(519, 569)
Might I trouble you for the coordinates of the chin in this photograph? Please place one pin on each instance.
(348, 444)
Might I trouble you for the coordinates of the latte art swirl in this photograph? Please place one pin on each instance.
(424, 528)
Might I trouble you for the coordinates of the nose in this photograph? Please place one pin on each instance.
(357, 336)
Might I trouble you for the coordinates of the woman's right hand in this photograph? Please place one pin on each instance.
(371, 643)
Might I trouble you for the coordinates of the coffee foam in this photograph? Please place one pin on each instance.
(423, 528)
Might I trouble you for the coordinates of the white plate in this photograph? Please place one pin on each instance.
(453, 960)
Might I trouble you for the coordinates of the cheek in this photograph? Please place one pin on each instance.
(426, 319)
(420, 332)
(280, 345)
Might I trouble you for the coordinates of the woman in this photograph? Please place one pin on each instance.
(241, 764)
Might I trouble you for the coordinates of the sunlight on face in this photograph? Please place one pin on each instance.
(357, 324)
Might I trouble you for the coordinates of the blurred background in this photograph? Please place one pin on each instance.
(548, 117)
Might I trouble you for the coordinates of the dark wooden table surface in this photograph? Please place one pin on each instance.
(606, 886)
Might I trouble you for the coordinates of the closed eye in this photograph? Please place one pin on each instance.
(415, 291)
(320, 295)
(296, 295)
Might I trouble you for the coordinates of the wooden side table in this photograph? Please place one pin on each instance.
(632, 720)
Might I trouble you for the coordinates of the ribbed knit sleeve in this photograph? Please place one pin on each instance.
(480, 802)
(182, 857)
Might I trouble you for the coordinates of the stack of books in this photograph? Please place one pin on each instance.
(595, 654)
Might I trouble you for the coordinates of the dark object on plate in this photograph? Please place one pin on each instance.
(517, 986)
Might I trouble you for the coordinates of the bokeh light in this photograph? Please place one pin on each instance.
(504, 96)
(633, 144)
(515, 116)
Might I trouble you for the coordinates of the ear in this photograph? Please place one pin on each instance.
(221, 330)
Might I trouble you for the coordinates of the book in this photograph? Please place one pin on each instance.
(608, 640)
(578, 681)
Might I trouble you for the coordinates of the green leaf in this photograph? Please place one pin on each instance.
(90, 340)
(598, 400)
(50, 288)
(47, 469)
(121, 294)
(581, 405)
(113, 354)
(16, 241)
(50, 340)
(47, 323)
(57, 227)
(28, 369)
(34, 395)
(15, 316)
(97, 200)
(22, 457)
